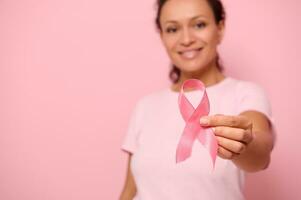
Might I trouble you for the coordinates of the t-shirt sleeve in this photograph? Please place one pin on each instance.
(253, 97)
(129, 143)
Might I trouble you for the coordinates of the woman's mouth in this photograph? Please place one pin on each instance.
(190, 54)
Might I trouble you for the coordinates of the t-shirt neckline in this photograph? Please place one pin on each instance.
(211, 87)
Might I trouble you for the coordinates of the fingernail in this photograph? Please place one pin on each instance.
(204, 121)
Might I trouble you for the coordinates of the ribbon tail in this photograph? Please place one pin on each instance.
(185, 144)
(208, 139)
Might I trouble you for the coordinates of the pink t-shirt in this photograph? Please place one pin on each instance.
(153, 134)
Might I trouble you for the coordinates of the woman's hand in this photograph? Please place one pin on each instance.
(233, 133)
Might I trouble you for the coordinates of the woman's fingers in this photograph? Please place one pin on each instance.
(226, 154)
(238, 134)
(224, 120)
(231, 145)
(233, 133)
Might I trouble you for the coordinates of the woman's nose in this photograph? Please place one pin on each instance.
(187, 37)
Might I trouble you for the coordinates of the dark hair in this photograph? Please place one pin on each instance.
(219, 15)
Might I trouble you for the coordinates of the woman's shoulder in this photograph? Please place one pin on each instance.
(160, 94)
(244, 85)
(155, 97)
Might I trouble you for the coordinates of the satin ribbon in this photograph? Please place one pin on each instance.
(193, 130)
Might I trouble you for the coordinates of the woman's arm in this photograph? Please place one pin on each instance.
(129, 189)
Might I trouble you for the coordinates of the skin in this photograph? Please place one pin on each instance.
(129, 189)
(188, 25)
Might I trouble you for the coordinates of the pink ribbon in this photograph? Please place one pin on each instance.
(193, 130)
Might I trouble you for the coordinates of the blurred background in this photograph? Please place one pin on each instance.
(72, 71)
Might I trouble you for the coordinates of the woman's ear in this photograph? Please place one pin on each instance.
(221, 30)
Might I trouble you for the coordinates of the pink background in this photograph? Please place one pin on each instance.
(71, 72)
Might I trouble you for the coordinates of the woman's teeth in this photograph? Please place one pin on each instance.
(190, 54)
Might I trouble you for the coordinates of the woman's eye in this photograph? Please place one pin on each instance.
(201, 25)
(171, 30)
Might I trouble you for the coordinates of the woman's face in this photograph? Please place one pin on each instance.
(190, 33)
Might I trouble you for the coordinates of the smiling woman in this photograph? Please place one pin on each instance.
(190, 31)
(207, 26)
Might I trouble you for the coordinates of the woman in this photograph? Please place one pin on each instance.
(240, 116)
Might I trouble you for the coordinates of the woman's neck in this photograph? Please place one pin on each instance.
(209, 76)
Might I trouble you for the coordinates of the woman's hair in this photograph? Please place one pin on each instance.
(219, 15)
